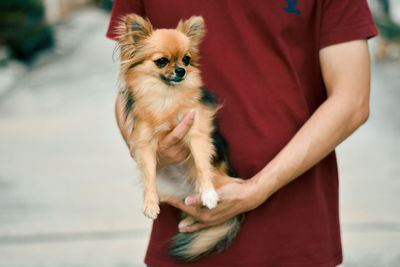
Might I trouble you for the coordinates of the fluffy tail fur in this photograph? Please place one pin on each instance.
(191, 246)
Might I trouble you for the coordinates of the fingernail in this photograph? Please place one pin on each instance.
(190, 200)
(191, 114)
(182, 230)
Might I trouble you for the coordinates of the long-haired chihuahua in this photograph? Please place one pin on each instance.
(162, 82)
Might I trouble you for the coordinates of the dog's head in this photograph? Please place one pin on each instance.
(168, 54)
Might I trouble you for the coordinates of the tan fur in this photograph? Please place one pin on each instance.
(159, 104)
(208, 236)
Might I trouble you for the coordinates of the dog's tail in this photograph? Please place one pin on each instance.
(191, 246)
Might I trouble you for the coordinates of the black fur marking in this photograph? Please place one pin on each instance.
(194, 28)
(136, 26)
(207, 97)
(138, 30)
(129, 101)
(165, 79)
(221, 145)
(221, 152)
(182, 241)
(135, 64)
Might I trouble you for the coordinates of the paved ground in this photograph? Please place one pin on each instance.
(369, 164)
(68, 193)
(68, 190)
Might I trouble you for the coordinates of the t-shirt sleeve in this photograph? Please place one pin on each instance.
(345, 20)
(121, 8)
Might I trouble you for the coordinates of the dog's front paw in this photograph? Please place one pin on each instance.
(151, 209)
(209, 198)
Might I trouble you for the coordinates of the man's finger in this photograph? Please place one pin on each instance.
(192, 228)
(180, 130)
(179, 204)
(193, 200)
(173, 202)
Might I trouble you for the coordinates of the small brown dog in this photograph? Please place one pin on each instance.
(158, 68)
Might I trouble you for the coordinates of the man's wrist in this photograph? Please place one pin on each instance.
(262, 186)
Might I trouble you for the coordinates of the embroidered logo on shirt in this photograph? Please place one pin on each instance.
(291, 8)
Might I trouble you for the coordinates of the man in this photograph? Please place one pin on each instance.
(294, 80)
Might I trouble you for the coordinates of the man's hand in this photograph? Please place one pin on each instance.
(234, 198)
(170, 149)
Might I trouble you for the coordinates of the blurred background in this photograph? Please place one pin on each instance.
(69, 193)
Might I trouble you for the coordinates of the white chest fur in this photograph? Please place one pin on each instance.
(174, 180)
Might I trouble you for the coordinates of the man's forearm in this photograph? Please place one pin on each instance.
(326, 129)
(346, 108)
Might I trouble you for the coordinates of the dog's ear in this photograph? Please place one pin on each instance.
(135, 28)
(132, 31)
(193, 28)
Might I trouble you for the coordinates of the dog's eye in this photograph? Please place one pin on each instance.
(162, 62)
(186, 60)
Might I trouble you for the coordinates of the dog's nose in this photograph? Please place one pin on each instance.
(180, 72)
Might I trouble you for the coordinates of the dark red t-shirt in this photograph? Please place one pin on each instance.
(262, 59)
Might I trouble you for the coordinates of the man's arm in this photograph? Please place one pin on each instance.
(346, 72)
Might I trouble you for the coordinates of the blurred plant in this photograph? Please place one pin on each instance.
(388, 29)
(106, 4)
(23, 28)
(385, 5)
